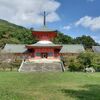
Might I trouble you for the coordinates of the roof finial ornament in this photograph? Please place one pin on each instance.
(44, 18)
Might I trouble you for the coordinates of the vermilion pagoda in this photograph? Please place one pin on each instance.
(44, 48)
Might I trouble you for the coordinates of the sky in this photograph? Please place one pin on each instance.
(71, 17)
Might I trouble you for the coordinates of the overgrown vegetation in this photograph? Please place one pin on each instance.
(9, 62)
(83, 60)
(11, 33)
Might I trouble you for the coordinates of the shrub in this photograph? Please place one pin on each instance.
(16, 64)
(9, 61)
(96, 62)
(73, 64)
(82, 61)
(86, 59)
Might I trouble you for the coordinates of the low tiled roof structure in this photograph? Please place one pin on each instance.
(21, 48)
(14, 48)
(96, 49)
(73, 48)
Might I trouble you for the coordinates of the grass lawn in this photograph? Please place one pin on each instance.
(49, 86)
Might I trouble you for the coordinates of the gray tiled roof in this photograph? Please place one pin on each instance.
(14, 48)
(44, 29)
(96, 49)
(44, 45)
(20, 48)
(73, 48)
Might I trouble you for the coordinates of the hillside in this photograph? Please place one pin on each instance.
(11, 33)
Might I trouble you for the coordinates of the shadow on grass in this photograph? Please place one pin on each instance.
(88, 92)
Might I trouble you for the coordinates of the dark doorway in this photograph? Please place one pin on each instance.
(44, 55)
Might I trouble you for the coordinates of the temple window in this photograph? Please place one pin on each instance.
(38, 54)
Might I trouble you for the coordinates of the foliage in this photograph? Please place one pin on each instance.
(11, 33)
(86, 59)
(87, 41)
(82, 61)
(10, 66)
(63, 39)
(9, 62)
(96, 62)
(74, 65)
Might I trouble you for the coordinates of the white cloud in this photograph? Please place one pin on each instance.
(67, 27)
(28, 11)
(89, 22)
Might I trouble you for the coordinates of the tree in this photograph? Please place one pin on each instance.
(74, 65)
(87, 41)
(86, 59)
(11, 33)
(96, 62)
(63, 39)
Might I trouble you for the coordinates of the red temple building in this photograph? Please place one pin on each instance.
(44, 48)
(43, 55)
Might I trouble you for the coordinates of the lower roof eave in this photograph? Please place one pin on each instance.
(30, 47)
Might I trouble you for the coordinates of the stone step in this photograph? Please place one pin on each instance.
(41, 67)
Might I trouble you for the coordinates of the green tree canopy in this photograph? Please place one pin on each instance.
(63, 39)
(11, 33)
(87, 41)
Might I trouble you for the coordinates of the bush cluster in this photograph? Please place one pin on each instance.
(9, 62)
(83, 60)
(13, 65)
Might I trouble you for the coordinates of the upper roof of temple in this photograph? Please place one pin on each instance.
(45, 29)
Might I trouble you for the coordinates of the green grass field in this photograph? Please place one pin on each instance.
(49, 86)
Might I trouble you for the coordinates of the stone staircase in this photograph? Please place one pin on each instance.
(41, 67)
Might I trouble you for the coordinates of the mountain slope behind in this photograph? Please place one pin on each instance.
(11, 33)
